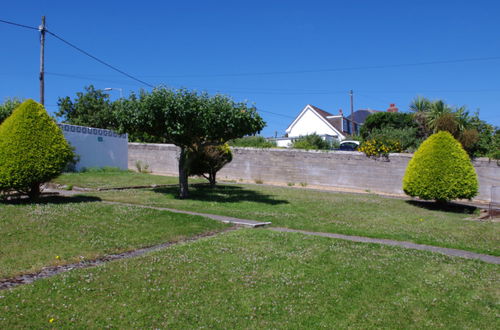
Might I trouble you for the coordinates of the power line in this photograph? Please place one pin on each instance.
(354, 68)
(71, 76)
(20, 25)
(98, 60)
(81, 51)
(276, 114)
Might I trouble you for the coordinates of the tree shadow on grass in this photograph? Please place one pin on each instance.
(222, 194)
(52, 199)
(447, 207)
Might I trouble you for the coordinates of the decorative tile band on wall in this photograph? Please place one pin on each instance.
(91, 131)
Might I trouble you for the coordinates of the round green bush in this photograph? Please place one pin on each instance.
(440, 170)
(33, 149)
(207, 161)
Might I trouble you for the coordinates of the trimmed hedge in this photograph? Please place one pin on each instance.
(440, 170)
(33, 149)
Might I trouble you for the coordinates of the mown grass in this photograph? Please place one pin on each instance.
(64, 230)
(116, 179)
(351, 214)
(261, 279)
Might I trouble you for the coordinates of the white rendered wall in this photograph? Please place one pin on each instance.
(284, 143)
(310, 123)
(97, 147)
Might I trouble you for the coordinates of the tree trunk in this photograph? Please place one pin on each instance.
(183, 178)
(211, 178)
(34, 192)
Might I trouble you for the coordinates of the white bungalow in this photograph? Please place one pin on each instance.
(313, 120)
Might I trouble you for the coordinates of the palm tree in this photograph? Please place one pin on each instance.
(437, 110)
(421, 106)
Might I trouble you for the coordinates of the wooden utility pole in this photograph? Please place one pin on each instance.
(352, 112)
(41, 28)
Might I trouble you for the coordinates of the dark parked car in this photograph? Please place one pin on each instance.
(349, 145)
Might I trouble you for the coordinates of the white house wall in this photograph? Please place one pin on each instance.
(97, 147)
(310, 123)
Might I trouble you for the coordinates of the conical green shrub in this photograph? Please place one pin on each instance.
(33, 149)
(440, 170)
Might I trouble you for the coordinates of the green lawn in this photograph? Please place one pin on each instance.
(32, 235)
(116, 179)
(351, 214)
(261, 279)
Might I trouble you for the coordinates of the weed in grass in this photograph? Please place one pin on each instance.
(290, 184)
(142, 167)
(303, 184)
(259, 181)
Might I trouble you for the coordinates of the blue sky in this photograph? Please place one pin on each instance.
(279, 55)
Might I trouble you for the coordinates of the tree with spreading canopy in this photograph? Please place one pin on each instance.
(190, 120)
(90, 108)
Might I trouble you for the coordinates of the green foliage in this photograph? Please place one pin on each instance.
(207, 161)
(475, 135)
(8, 106)
(440, 170)
(494, 152)
(252, 142)
(311, 142)
(448, 122)
(187, 119)
(91, 108)
(375, 148)
(33, 149)
(437, 110)
(382, 120)
(406, 137)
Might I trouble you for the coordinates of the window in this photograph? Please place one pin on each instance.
(347, 126)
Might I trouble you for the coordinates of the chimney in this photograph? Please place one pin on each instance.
(341, 113)
(392, 108)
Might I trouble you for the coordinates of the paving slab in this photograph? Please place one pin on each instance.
(221, 218)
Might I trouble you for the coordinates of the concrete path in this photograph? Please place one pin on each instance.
(221, 218)
(408, 245)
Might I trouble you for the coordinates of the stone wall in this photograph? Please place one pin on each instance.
(339, 169)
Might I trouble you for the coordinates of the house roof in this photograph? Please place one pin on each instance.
(320, 111)
(323, 115)
(360, 115)
(334, 120)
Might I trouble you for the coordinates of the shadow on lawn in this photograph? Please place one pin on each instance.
(222, 194)
(52, 199)
(447, 207)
